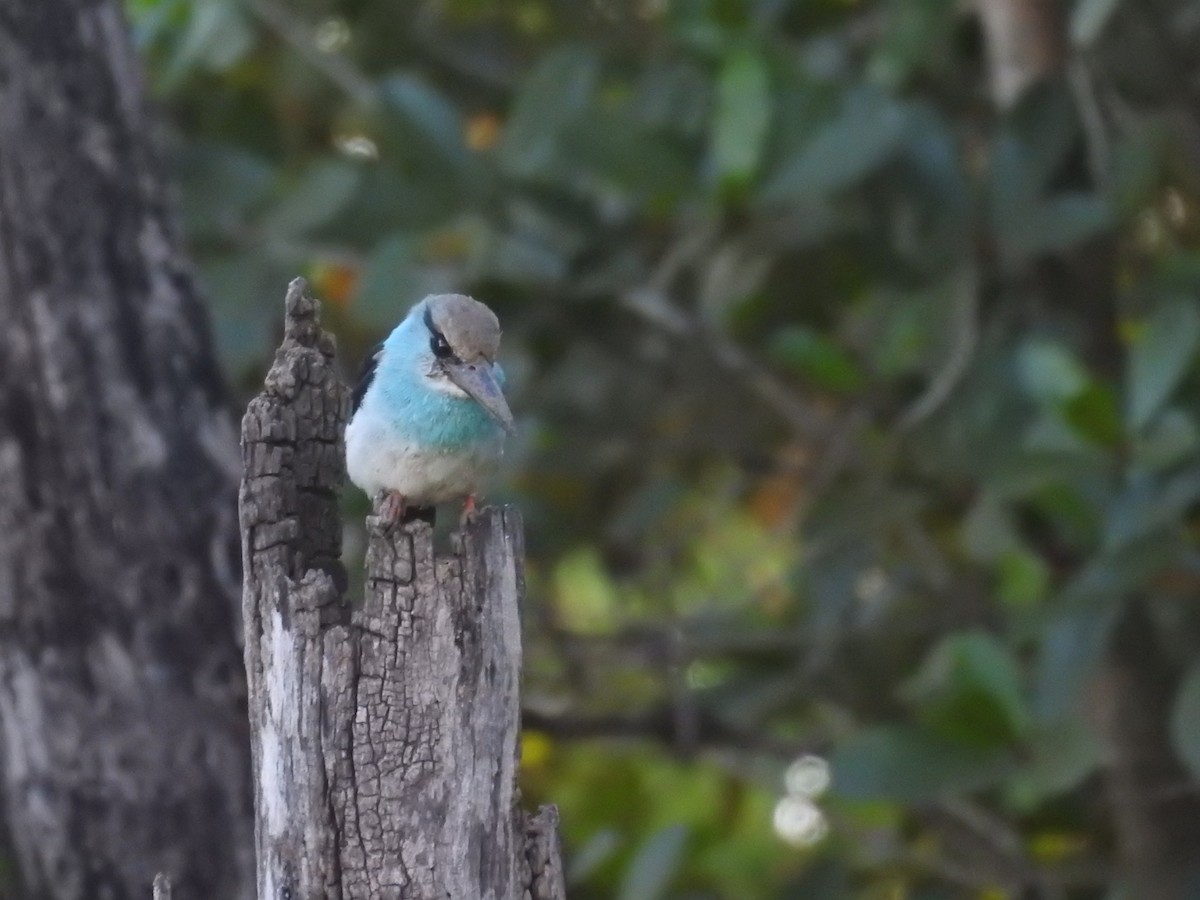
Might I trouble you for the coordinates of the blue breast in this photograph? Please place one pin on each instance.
(446, 422)
(403, 399)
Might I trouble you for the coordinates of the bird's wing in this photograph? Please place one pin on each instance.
(365, 376)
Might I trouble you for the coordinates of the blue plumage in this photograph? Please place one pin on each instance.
(430, 418)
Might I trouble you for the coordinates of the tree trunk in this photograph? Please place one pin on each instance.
(1155, 810)
(122, 723)
(1026, 41)
(385, 734)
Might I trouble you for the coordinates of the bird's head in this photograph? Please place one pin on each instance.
(463, 337)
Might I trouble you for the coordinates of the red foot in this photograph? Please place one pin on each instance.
(468, 512)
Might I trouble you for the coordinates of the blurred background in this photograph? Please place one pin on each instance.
(854, 348)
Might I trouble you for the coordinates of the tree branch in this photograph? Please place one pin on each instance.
(709, 732)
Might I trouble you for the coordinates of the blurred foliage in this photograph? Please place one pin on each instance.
(855, 412)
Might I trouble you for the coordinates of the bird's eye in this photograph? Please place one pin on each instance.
(440, 346)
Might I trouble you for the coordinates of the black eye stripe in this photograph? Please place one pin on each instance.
(437, 341)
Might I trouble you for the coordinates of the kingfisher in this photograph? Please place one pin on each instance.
(428, 417)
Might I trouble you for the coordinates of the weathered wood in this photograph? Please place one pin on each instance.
(546, 878)
(161, 889)
(385, 735)
(123, 747)
(292, 451)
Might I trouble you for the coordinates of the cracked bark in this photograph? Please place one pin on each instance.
(385, 736)
(123, 738)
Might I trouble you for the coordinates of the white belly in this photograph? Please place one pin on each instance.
(379, 460)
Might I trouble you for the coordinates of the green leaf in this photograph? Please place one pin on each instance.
(151, 20)
(1023, 577)
(1170, 438)
(433, 116)
(1063, 755)
(1030, 151)
(1088, 19)
(1159, 358)
(1146, 508)
(1060, 756)
(385, 285)
(918, 36)
(317, 196)
(243, 322)
(216, 37)
(1139, 159)
(1185, 720)
(988, 532)
(1057, 224)
(557, 91)
(1094, 413)
(864, 135)
(524, 257)
(969, 689)
(742, 116)
(626, 157)
(221, 183)
(1049, 372)
(1072, 646)
(1029, 217)
(1130, 557)
(1044, 130)
(910, 764)
(593, 854)
(816, 357)
(651, 871)
(672, 96)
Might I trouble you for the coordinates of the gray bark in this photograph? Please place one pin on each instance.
(385, 735)
(123, 743)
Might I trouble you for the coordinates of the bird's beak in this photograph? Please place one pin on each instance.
(478, 380)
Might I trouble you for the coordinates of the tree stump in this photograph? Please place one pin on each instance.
(385, 736)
